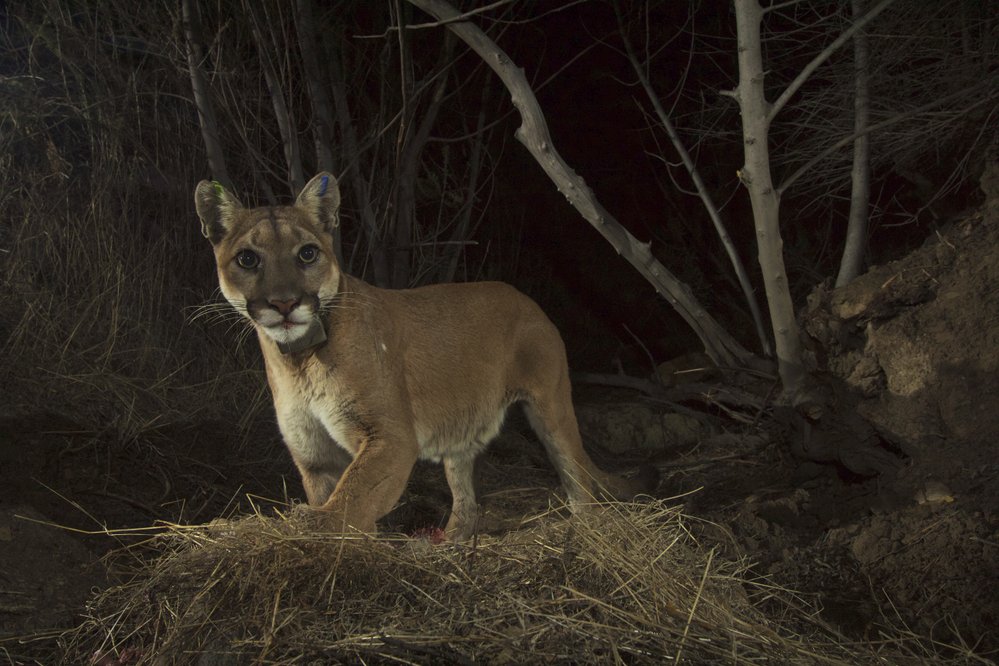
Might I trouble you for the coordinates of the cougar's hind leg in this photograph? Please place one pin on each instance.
(460, 472)
(556, 427)
(543, 377)
(554, 420)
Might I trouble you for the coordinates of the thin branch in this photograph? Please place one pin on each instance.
(436, 24)
(804, 168)
(472, 12)
(860, 175)
(702, 190)
(203, 95)
(782, 5)
(826, 53)
(289, 136)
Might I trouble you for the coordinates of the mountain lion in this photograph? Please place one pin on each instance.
(366, 380)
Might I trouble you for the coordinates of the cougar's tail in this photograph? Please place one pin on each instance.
(583, 481)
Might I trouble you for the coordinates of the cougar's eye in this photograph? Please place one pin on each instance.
(308, 254)
(247, 259)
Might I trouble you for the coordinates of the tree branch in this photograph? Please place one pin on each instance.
(702, 191)
(755, 175)
(804, 168)
(289, 135)
(810, 68)
(860, 175)
(533, 134)
(203, 95)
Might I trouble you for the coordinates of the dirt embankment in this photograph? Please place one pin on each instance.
(917, 340)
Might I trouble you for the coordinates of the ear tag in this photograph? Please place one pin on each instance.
(325, 180)
(219, 190)
(316, 335)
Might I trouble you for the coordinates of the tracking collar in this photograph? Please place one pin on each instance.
(316, 335)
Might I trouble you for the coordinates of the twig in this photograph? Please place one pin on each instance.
(693, 606)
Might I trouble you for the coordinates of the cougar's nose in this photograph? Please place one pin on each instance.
(284, 307)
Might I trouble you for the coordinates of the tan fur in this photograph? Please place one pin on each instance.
(404, 374)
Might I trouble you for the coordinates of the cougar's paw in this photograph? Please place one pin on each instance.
(332, 520)
(308, 517)
(461, 527)
(458, 533)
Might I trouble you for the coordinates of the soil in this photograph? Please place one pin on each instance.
(881, 505)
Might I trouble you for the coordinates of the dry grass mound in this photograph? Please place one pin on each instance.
(627, 584)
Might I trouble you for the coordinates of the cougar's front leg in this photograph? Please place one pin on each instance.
(319, 459)
(319, 481)
(372, 483)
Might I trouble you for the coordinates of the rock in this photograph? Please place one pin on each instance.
(624, 426)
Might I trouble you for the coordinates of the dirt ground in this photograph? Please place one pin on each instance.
(889, 521)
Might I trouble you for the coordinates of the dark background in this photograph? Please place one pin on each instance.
(102, 148)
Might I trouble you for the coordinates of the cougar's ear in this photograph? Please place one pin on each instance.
(216, 207)
(321, 198)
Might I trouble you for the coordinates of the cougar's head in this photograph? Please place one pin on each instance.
(276, 265)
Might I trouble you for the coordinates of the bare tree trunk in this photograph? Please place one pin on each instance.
(757, 114)
(533, 133)
(203, 95)
(860, 177)
(360, 185)
(289, 135)
(318, 89)
(409, 162)
(755, 175)
(702, 191)
(462, 228)
(322, 109)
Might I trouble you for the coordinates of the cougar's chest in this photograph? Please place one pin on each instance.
(317, 399)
